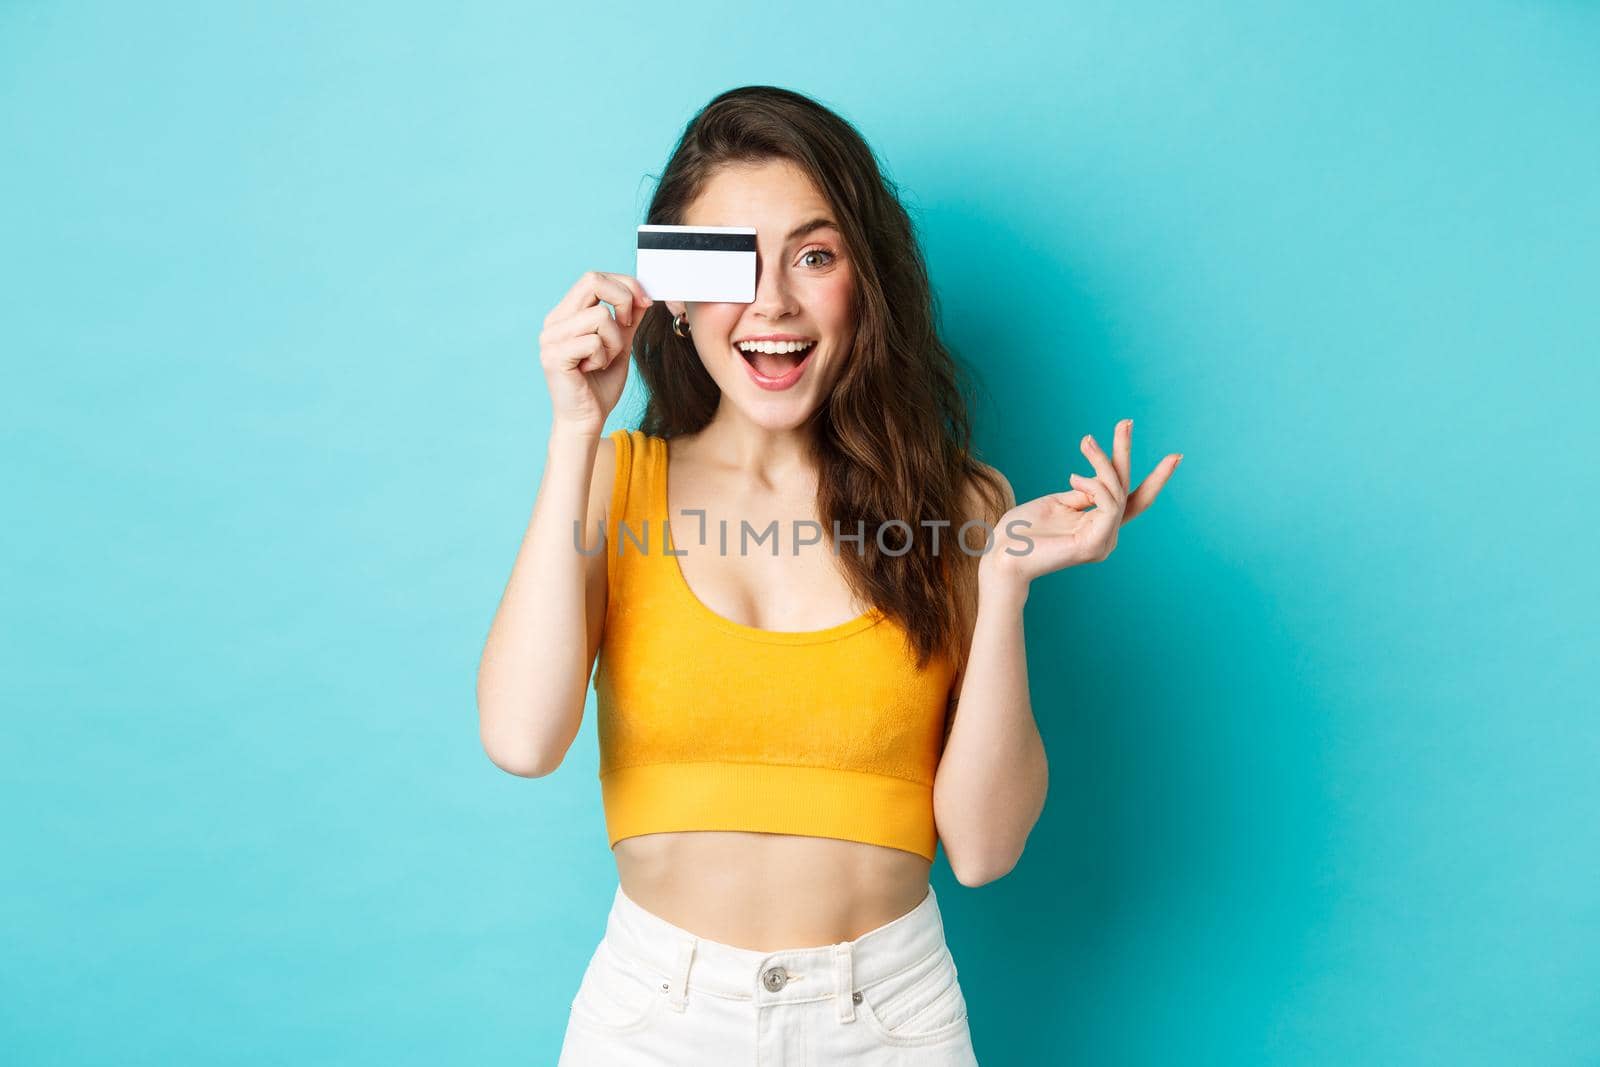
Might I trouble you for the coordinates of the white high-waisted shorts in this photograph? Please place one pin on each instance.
(654, 993)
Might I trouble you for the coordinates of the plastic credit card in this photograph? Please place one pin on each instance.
(702, 263)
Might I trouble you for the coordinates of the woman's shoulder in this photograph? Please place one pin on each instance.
(619, 451)
(603, 479)
(987, 494)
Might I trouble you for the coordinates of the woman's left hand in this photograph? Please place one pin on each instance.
(1079, 526)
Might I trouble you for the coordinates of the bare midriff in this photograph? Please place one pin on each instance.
(769, 892)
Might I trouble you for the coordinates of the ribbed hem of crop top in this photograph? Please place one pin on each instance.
(769, 798)
(707, 724)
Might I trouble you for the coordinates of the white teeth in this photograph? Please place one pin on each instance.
(775, 347)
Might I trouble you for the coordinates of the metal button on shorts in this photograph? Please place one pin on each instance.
(775, 978)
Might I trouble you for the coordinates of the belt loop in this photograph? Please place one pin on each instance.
(843, 981)
(677, 996)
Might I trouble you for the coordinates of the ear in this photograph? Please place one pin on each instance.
(677, 307)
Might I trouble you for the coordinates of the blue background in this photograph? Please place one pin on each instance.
(1322, 731)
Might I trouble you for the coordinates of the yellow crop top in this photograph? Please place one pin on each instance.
(708, 724)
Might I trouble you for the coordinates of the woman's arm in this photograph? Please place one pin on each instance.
(534, 674)
(991, 783)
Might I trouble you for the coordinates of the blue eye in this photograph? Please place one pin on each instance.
(818, 252)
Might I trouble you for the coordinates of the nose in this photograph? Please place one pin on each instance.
(772, 294)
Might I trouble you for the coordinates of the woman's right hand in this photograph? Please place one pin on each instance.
(584, 351)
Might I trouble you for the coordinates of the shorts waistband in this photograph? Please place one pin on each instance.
(682, 961)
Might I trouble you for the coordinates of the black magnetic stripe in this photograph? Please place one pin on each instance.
(698, 242)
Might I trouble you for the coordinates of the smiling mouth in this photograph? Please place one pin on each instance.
(776, 365)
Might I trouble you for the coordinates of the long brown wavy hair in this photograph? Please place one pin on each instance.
(893, 439)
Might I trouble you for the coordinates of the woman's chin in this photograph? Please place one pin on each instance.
(778, 412)
(780, 416)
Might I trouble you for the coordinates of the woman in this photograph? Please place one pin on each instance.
(780, 752)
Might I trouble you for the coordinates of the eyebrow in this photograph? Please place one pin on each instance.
(806, 227)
